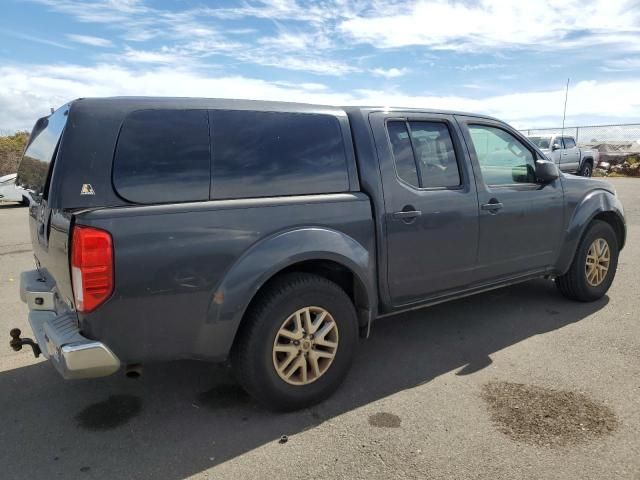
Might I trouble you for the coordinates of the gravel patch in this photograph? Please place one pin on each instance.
(546, 417)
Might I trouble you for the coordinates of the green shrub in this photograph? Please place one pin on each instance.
(11, 148)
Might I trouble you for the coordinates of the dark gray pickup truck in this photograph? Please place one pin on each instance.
(273, 234)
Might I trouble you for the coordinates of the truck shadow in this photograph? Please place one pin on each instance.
(182, 418)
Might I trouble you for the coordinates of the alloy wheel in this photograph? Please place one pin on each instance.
(305, 345)
(597, 262)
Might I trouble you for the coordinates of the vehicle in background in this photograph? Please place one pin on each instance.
(274, 234)
(10, 192)
(563, 151)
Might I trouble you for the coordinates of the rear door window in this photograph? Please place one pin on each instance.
(34, 170)
(403, 153)
(569, 142)
(435, 155)
(424, 154)
(263, 154)
(163, 156)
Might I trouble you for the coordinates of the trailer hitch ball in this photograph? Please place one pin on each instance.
(16, 342)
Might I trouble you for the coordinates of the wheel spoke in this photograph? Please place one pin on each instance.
(290, 335)
(308, 325)
(322, 333)
(323, 354)
(285, 349)
(303, 368)
(298, 323)
(294, 366)
(318, 321)
(313, 361)
(287, 361)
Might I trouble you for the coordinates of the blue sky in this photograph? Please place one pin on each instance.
(508, 59)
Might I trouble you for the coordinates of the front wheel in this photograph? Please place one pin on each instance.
(296, 343)
(594, 265)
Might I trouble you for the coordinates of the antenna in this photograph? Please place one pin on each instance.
(566, 96)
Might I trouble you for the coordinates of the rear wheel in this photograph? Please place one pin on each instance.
(594, 265)
(587, 169)
(296, 343)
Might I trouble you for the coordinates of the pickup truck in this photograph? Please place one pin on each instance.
(273, 234)
(563, 151)
(9, 192)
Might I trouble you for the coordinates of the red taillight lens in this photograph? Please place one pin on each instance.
(91, 267)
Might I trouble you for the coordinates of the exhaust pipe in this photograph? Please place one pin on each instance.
(133, 371)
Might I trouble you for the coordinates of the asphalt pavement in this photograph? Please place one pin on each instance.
(412, 407)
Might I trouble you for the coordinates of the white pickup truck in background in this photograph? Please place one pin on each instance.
(564, 152)
(10, 192)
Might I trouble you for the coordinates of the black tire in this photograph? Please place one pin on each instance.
(252, 354)
(574, 284)
(587, 169)
(25, 202)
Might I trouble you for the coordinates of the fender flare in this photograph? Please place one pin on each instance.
(267, 258)
(593, 204)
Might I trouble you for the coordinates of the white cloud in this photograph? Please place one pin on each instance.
(622, 65)
(390, 73)
(320, 37)
(27, 92)
(34, 38)
(90, 40)
(490, 24)
(163, 56)
(479, 66)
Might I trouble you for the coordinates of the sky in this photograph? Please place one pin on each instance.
(502, 58)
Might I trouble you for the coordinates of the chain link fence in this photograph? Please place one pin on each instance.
(617, 146)
(589, 135)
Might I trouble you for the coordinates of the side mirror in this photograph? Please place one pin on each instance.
(555, 146)
(546, 171)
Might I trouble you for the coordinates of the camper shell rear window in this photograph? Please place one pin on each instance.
(34, 172)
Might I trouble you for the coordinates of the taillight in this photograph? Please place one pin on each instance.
(91, 267)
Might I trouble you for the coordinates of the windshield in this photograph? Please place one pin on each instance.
(541, 142)
(34, 167)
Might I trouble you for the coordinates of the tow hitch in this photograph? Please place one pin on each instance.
(16, 342)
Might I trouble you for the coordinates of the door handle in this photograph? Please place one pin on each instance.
(407, 214)
(492, 206)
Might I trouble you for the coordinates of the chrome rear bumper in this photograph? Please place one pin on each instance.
(58, 336)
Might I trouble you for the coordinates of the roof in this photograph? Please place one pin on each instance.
(135, 103)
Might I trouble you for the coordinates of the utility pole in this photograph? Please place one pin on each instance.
(566, 96)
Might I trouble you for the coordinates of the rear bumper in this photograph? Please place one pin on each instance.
(58, 336)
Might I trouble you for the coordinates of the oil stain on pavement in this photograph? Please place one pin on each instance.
(115, 411)
(224, 396)
(546, 417)
(384, 420)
